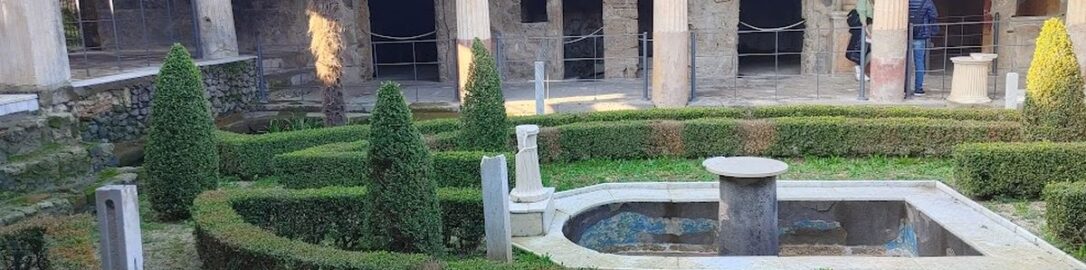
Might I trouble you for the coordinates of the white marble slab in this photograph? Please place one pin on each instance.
(11, 104)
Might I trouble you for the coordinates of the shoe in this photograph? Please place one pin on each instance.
(857, 69)
(919, 92)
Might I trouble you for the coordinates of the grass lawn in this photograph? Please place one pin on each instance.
(572, 175)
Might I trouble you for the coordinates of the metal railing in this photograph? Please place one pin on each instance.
(106, 37)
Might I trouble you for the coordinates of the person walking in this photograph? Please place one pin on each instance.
(922, 17)
(857, 27)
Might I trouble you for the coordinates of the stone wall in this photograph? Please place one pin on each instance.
(158, 24)
(621, 45)
(118, 111)
(715, 23)
(522, 44)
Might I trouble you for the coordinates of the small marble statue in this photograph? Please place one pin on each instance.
(529, 183)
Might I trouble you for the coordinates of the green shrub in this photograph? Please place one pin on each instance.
(251, 156)
(405, 213)
(1055, 108)
(1065, 212)
(1016, 170)
(181, 160)
(280, 229)
(344, 164)
(49, 243)
(483, 112)
(784, 137)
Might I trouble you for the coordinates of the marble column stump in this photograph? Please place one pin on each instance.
(748, 205)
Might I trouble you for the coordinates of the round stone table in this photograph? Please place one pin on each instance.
(970, 82)
(748, 205)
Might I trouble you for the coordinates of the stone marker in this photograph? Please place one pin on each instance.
(748, 204)
(495, 174)
(121, 245)
(1013, 96)
(532, 209)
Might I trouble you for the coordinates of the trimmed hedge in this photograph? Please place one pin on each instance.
(1017, 170)
(344, 164)
(181, 159)
(1065, 212)
(280, 229)
(782, 137)
(49, 243)
(250, 156)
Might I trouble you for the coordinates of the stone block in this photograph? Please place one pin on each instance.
(495, 176)
(532, 219)
(121, 245)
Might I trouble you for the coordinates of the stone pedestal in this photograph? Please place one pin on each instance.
(121, 245)
(33, 52)
(970, 82)
(670, 54)
(217, 36)
(890, 42)
(472, 21)
(532, 208)
(748, 205)
(499, 245)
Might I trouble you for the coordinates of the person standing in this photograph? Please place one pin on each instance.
(854, 50)
(922, 17)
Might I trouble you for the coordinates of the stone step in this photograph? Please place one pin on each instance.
(23, 134)
(12, 104)
(55, 167)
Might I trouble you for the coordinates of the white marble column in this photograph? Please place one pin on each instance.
(529, 182)
(670, 54)
(889, 44)
(970, 82)
(472, 21)
(32, 48)
(217, 36)
(1076, 27)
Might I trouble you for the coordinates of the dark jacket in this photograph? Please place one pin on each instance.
(923, 15)
(855, 29)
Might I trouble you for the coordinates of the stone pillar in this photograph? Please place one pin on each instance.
(841, 64)
(121, 245)
(671, 54)
(970, 82)
(1076, 27)
(33, 52)
(472, 21)
(621, 44)
(748, 205)
(217, 36)
(499, 243)
(890, 42)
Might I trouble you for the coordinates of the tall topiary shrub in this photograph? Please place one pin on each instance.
(483, 111)
(181, 159)
(1055, 108)
(405, 216)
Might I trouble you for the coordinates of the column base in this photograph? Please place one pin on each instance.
(531, 219)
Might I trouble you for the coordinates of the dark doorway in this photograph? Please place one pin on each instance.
(765, 45)
(962, 30)
(582, 24)
(644, 24)
(404, 46)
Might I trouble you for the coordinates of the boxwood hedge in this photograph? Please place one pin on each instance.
(1065, 212)
(782, 137)
(280, 229)
(249, 156)
(49, 243)
(1017, 170)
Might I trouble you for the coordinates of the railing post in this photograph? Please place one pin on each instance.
(693, 64)
(863, 64)
(645, 64)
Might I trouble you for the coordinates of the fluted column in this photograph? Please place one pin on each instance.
(472, 21)
(217, 36)
(970, 82)
(1076, 27)
(670, 53)
(32, 49)
(889, 43)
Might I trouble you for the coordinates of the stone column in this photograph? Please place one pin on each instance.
(121, 245)
(890, 42)
(472, 21)
(33, 52)
(970, 82)
(1076, 27)
(670, 53)
(495, 185)
(217, 36)
(841, 64)
(748, 205)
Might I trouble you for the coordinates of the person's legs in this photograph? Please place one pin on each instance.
(920, 51)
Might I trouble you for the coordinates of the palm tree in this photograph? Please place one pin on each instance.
(326, 33)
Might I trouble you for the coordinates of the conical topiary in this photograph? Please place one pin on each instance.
(483, 111)
(404, 214)
(1055, 108)
(181, 157)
